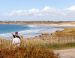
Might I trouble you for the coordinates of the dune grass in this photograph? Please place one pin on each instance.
(4, 43)
(39, 43)
(27, 52)
(31, 48)
(27, 49)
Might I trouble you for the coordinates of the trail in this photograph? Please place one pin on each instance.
(66, 53)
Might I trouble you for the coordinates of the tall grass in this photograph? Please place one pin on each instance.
(27, 52)
(4, 43)
(27, 49)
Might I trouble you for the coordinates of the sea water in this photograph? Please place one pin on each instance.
(6, 30)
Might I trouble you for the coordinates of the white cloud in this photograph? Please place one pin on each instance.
(47, 12)
(72, 8)
(70, 12)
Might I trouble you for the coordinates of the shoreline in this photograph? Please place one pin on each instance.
(32, 33)
(56, 25)
(45, 23)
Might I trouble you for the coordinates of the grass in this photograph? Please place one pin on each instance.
(4, 43)
(34, 48)
(44, 44)
(40, 43)
(27, 49)
(60, 46)
(27, 52)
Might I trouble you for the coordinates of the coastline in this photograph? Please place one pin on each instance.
(33, 33)
(46, 24)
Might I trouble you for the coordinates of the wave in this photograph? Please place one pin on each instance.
(31, 25)
(29, 31)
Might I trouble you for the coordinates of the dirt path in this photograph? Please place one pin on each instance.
(66, 53)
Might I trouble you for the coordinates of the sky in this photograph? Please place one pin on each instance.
(37, 10)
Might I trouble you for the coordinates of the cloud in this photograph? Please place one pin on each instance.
(70, 12)
(46, 13)
(72, 8)
(46, 10)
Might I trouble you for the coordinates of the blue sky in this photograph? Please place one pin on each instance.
(35, 10)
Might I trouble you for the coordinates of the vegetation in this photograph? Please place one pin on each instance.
(4, 43)
(39, 47)
(27, 52)
(27, 49)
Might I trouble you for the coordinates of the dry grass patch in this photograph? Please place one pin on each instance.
(28, 52)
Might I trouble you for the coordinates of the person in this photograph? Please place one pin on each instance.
(16, 39)
(16, 35)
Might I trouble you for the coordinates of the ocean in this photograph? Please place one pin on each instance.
(6, 30)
